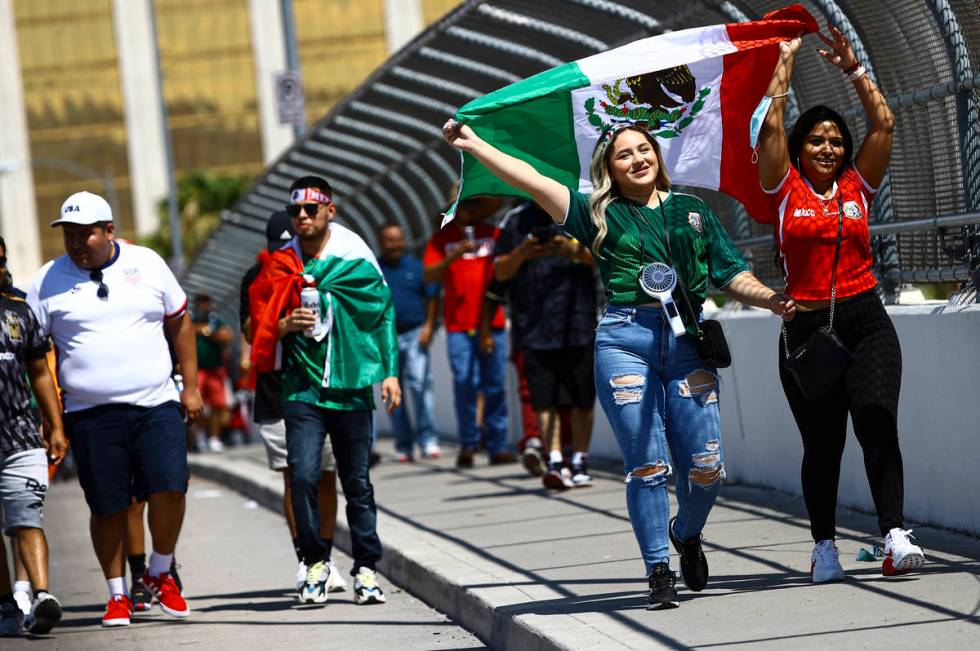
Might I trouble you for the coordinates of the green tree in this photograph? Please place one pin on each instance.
(201, 197)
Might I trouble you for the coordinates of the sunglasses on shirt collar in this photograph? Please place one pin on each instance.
(96, 276)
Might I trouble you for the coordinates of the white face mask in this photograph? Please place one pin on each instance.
(755, 125)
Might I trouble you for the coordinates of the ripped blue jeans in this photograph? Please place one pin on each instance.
(662, 402)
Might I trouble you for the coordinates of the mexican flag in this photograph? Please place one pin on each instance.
(695, 89)
(360, 347)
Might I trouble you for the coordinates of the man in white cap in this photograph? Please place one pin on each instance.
(105, 305)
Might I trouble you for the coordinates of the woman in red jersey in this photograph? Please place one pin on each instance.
(818, 191)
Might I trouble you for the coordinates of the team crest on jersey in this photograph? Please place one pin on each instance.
(852, 210)
(132, 275)
(694, 219)
(13, 327)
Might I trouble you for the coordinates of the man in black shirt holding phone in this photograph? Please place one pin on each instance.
(551, 289)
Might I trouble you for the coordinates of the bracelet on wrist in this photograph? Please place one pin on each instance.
(859, 72)
(852, 68)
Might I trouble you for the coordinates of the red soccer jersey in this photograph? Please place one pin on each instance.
(466, 279)
(806, 232)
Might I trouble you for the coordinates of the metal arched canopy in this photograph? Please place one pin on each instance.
(382, 151)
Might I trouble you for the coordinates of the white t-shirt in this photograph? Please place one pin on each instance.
(112, 350)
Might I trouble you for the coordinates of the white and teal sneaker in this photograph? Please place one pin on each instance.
(366, 588)
(314, 590)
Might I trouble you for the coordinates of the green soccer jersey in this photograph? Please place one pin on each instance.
(699, 245)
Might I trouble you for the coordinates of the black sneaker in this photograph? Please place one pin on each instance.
(580, 474)
(694, 565)
(142, 598)
(173, 573)
(663, 594)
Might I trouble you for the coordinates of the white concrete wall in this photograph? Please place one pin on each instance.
(939, 414)
(145, 130)
(269, 57)
(18, 211)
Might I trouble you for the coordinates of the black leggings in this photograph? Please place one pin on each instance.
(869, 391)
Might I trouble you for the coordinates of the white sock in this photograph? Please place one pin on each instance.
(578, 458)
(159, 563)
(117, 586)
(22, 586)
(555, 456)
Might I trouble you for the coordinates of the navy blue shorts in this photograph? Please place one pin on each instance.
(125, 451)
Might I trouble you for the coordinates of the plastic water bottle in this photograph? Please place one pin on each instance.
(309, 298)
(470, 233)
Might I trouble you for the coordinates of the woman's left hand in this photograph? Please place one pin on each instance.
(840, 55)
(783, 305)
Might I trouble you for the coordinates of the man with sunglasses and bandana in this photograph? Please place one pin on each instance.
(105, 305)
(330, 360)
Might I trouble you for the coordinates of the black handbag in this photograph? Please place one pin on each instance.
(823, 359)
(710, 339)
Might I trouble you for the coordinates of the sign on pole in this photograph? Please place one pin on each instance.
(290, 99)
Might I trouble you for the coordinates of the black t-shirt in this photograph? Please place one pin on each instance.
(268, 386)
(20, 341)
(552, 299)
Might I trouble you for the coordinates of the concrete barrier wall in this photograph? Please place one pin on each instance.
(939, 414)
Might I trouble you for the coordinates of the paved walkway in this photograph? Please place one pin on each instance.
(524, 568)
(237, 566)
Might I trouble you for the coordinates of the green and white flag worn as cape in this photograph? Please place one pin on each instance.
(694, 89)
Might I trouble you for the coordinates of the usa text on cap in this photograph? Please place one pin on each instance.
(84, 208)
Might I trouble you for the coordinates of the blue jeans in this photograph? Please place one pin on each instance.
(350, 435)
(413, 360)
(659, 397)
(472, 373)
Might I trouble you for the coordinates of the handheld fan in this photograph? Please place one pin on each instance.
(659, 280)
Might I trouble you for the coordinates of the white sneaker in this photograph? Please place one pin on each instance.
(23, 601)
(431, 451)
(335, 582)
(825, 563)
(901, 556)
(314, 590)
(300, 575)
(366, 588)
(45, 614)
(215, 445)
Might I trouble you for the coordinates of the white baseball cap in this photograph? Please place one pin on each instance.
(84, 208)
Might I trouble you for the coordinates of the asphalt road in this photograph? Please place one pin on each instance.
(238, 567)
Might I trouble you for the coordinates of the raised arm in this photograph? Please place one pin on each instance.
(551, 195)
(876, 150)
(773, 147)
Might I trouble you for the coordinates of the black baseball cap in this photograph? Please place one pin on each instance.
(278, 230)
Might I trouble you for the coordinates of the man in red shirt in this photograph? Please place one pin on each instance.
(461, 257)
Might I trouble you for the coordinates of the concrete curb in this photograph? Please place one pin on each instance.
(476, 593)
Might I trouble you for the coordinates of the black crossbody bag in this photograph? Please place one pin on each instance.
(710, 339)
(823, 359)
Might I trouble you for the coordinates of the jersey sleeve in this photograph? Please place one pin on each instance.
(724, 259)
(174, 298)
(775, 196)
(578, 221)
(37, 343)
(39, 307)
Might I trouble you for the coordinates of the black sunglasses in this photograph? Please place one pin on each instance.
(96, 275)
(3, 261)
(294, 209)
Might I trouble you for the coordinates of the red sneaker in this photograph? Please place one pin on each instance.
(166, 592)
(118, 610)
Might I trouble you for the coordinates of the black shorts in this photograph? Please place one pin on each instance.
(561, 378)
(125, 451)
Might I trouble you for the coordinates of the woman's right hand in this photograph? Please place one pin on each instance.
(459, 135)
